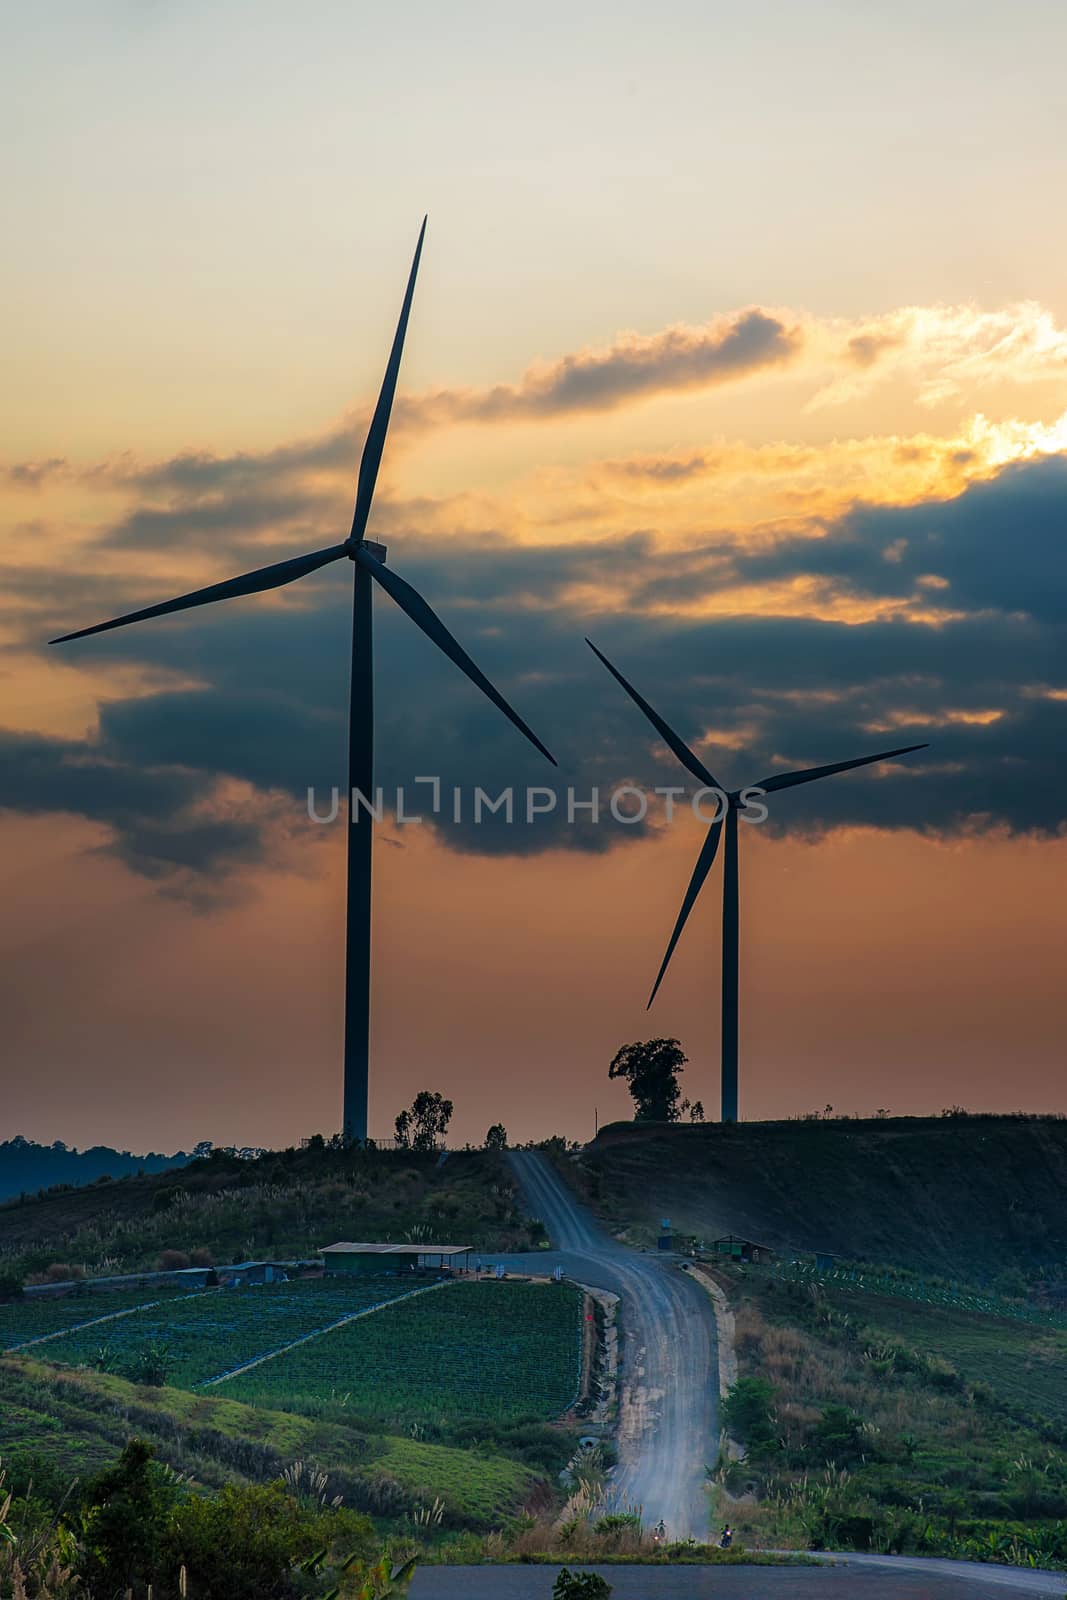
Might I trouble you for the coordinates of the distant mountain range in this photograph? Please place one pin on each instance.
(26, 1167)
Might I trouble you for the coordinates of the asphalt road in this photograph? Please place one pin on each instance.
(861, 1577)
(668, 1418)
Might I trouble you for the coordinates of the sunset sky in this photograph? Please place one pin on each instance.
(739, 345)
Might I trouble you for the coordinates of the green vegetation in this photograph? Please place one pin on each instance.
(486, 1350)
(198, 1337)
(71, 1423)
(283, 1205)
(26, 1319)
(975, 1199)
(889, 1425)
(136, 1529)
(580, 1586)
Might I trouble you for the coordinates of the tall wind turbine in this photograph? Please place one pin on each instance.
(730, 910)
(368, 568)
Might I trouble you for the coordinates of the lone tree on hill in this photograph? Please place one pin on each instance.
(651, 1070)
(497, 1137)
(426, 1122)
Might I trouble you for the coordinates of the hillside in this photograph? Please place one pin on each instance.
(69, 1422)
(964, 1197)
(874, 1421)
(284, 1204)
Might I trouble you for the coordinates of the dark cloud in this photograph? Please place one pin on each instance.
(774, 691)
(999, 546)
(31, 474)
(225, 521)
(153, 810)
(631, 368)
(200, 472)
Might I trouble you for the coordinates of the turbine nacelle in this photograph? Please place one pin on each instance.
(352, 548)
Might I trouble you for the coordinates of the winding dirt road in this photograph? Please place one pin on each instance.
(668, 1415)
(668, 1429)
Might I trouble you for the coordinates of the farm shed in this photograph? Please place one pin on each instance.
(372, 1260)
(742, 1249)
(240, 1272)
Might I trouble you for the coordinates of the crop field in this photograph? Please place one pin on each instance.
(203, 1334)
(34, 1319)
(499, 1350)
(1022, 1362)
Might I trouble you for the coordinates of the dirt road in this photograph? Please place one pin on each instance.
(668, 1420)
(669, 1428)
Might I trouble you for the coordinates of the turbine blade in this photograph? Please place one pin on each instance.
(687, 757)
(789, 780)
(410, 601)
(696, 883)
(272, 577)
(371, 458)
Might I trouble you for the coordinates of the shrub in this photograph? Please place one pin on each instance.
(173, 1261)
(243, 1543)
(580, 1586)
(839, 1436)
(63, 1272)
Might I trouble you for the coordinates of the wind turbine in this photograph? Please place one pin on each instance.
(730, 914)
(368, 568)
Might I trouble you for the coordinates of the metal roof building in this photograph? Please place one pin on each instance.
(372, 1260)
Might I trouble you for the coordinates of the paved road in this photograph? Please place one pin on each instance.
(668, 1422)
(853, 1576)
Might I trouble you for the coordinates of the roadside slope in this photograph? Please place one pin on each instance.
(959, 1196)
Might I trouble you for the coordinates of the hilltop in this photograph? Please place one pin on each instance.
(969, 1197)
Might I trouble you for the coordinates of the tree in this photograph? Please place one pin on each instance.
(748, 1412)
(497, 1137)
(651, 1070)
(425, 1123)
(125, 1519)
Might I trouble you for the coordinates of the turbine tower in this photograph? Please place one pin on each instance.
(726, 821)
(368, 569)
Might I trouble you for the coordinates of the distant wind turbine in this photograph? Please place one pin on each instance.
(368, 561)
(730, 915)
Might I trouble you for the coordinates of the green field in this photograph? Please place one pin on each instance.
(24, 1320)
(202, 1335)
(496, 1350)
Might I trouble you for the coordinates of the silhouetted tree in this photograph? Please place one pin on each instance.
(651, 1069)
(497, 1137)
(425, 1123)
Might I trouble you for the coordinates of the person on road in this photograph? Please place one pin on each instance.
(726, 1537)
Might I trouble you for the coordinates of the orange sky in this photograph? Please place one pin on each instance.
(777, 415)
